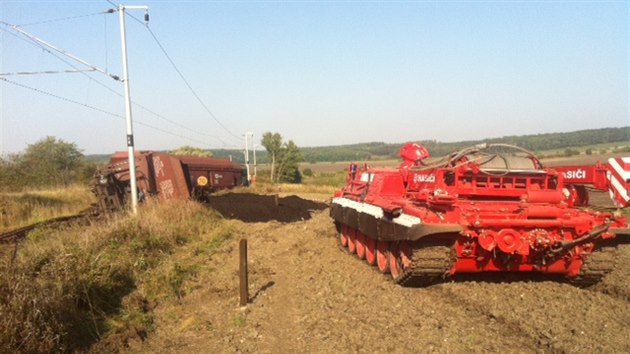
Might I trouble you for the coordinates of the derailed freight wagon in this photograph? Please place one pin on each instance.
(165, 177)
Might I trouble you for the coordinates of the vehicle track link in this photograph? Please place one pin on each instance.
(595, 267)
(429, 265)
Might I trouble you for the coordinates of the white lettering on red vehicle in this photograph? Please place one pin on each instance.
(424, 178)
(575, 174)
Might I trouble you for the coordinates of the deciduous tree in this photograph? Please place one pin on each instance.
(45, 163)
(288, 163)
(285, 158)
(273, 144)
(51, 161)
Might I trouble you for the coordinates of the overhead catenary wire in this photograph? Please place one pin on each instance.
(18, 73)
(181, 75)
(60, 19)
(190, 87)
(69, 100)
(59, 97)
(30, 40)
(105, 41)
(45, 46)
(59, 50)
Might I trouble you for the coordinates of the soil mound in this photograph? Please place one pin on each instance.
(249, 207)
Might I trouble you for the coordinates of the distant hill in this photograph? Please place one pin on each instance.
(381, 151)
(537, 142)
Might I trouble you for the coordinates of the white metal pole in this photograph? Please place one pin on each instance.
(247, 158)
(130, 147)
(255, 146)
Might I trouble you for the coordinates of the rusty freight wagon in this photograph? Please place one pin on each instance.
(165, 177)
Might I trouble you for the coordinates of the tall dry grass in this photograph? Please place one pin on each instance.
(68, 288)
(319, 183)
(24, 208)
(288, 188)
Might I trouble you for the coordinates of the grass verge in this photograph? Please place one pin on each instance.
(19, 209)
(67, 289)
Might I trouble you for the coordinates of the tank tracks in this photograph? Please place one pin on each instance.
(596, 266)
(429, 265)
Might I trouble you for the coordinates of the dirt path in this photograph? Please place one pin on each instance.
(308, 296)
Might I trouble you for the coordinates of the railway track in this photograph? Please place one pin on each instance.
(19, 233)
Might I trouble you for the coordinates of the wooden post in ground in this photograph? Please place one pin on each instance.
(244, 286)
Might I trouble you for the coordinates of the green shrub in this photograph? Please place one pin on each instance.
(570, 152)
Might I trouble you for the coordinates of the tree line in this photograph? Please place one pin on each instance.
(537, 142)
(381, 150)
(52, 162)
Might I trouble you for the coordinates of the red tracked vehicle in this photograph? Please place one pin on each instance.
(487, 208)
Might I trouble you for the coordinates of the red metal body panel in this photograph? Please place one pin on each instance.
(516, 218)
(122, 156)
(217, 174)
(613, 177)
(168, 175)
(120, 169)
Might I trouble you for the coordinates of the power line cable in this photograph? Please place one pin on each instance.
(45, 46)
(105, 40)
(99, 110)
(60, 97)
(157, 41)
(59, 50)
(179, 124)
(190, 87)
(16, 73)
(15, 27)
(60, 19)
(145, 24)
(41, 46)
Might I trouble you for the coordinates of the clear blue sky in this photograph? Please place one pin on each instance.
(320, 73)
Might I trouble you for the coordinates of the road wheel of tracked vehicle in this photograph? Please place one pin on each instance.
(370, 250)
(352, 246)
(382, 249)
(343, 235)
(394, 260)
(405, 254)
(359, 241)
(399, 258)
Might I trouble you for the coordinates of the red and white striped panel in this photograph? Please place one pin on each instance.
(619, 178)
